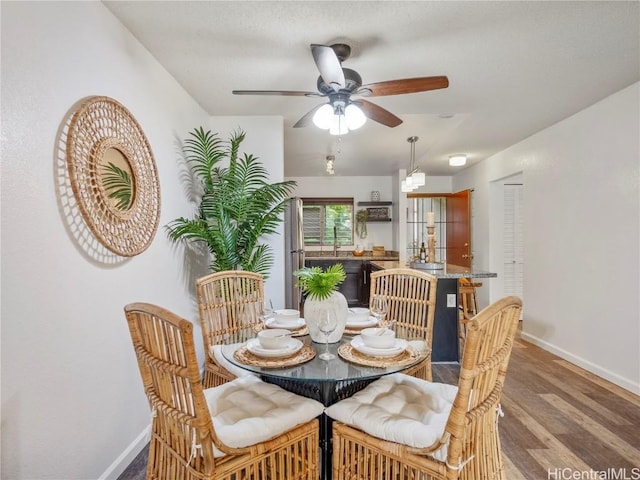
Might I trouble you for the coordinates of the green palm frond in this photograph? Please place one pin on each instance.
(203, 150)
(118, 185)
(238, 206)
(319, 284)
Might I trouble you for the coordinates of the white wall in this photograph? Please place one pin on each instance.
(581, 222)
(265, 140)
(73, 406)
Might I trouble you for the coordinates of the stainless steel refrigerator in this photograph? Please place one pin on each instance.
(294, 252)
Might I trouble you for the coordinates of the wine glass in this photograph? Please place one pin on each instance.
(327, 323)
(267, 311)
(379, 307)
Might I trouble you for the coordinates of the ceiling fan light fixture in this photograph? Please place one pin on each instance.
(354, 116)
(338, 125)
(457, 160)
(323, 117)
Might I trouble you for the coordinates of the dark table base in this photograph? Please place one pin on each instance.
(327, 393)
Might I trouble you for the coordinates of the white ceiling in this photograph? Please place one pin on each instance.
(514, 68)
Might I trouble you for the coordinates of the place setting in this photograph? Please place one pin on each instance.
(285, 318)
(379, 347)
(358, 319)
(274, 348)
(274, 345)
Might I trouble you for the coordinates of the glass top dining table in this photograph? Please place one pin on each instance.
(327, 381)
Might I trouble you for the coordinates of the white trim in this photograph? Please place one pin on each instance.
(127, 456)
(633, 387)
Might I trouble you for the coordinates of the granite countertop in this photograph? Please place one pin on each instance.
(449, 271)
(348, 255)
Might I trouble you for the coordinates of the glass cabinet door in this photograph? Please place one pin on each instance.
(417, 225)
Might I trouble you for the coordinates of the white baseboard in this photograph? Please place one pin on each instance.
(633, 387)
(130, 453)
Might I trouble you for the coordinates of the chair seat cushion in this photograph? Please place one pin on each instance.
(247, 411)
(401, 409)
(215, 351)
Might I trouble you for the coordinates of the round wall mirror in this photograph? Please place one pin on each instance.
(117, 179)
(113, 176)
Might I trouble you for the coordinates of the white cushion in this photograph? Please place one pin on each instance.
(216, 352)
(401, 409)
(247, 411)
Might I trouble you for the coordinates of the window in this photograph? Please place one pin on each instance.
(324, 218)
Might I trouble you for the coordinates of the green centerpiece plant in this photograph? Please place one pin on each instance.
(237, 205)
(320, 288)
(320, 284)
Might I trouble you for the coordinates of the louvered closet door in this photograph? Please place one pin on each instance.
(513, 235)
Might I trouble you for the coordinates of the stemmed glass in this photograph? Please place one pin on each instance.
(267, 311)
(379, 307)
(327, 323)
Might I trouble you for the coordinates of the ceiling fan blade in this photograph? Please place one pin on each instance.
(308, 117)
(406, 85)
(378, 114)
(287, 93)
(329, 66)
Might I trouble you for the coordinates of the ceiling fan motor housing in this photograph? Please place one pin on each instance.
(352, 81)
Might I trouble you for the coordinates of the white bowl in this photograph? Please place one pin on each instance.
(287, 315)
(378, 337)
(274, 338)
(357, 314)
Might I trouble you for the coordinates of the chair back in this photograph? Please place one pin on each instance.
(473, 425)
(230, 305)
(411, 297)
(166, 356)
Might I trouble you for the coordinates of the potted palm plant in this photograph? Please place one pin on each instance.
(320, 288)
(237, 205)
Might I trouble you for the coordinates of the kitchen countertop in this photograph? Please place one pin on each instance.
(449, 271)
(348, 255)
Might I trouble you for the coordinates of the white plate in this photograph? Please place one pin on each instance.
(370, 322)
(293, 346)
(274, 323)
(399, 347)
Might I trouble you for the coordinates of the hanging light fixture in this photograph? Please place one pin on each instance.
(415, 178)
(339, 117)
(406, 188)
(330, 161)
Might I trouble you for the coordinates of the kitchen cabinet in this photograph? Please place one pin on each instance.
(355, 287)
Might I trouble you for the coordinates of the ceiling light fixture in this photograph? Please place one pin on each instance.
(415, 178)
(457, 160)
(339, 117)
(330, 160)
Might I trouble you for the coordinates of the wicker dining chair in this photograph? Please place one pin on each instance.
(230, 304)
(411, 297)
(404, 427)
(243, 429)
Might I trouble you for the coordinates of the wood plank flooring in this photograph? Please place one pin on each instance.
(559, 420)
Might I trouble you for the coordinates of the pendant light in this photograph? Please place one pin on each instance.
(416, 178)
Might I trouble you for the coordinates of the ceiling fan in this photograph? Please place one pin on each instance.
(339, 84)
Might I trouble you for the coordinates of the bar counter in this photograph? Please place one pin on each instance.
(445, 347)
(449, 271)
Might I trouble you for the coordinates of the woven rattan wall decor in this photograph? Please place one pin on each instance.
(113, 175)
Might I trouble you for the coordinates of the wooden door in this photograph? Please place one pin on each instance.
(459, 229)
